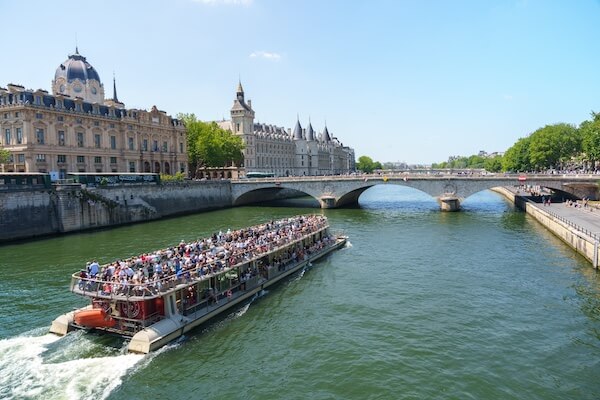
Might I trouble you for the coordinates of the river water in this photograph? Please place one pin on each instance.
(480, 304)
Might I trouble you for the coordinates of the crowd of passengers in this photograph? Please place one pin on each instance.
(151, 272)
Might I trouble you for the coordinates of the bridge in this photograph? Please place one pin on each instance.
(448, 189)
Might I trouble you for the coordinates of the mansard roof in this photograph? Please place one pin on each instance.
(66, 103)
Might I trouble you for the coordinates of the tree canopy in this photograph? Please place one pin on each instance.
(211, 146)
(367, 165)
(4, 156)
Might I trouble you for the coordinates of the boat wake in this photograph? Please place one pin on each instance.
(42, 365)
(347, 245)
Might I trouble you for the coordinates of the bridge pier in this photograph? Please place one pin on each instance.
(327, 202)
(449, 203)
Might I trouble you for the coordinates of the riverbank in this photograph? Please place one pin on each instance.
(578, 227)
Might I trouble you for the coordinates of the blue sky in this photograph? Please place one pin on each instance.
(413, 81)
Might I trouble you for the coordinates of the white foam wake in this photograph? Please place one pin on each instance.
(25, 374)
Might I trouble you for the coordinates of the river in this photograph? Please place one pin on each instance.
(479, 304)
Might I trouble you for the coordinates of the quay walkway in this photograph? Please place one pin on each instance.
(583, 219)
(577, 225)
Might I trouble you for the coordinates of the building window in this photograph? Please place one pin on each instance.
(80, 159)
(77, 107)
(237, 127)
(113, 160)
(181, 167)
(40, 157)
(181, 147)
(39, 134)
(130, 143)
(155, 145)
(97, 141)
(145, 145)
(78, 120)
(38, 101)
(61, 138)
(113, 142)
(79, 139)
(20, 158)
(7, 136)
(165, 148)
(39, 115)
(111, 126)
(5, 115)
(60, 118)
(17, 114)
(59, 104)
(131, 166)
(19, 135)
(61, 159)
(130, 127)
(97, 160)
(96, 123)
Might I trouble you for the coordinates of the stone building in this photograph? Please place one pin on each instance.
(276, 150)
(75, 129)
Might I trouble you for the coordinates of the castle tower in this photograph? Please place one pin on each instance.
(242, 114)
(242, 123)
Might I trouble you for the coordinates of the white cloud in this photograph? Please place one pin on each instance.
(225, 2)
(266, 55)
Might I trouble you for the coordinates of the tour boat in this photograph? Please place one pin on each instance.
(156, 297)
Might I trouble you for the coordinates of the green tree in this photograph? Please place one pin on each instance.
(493, 164)
(516, 158)
(553, 145)
(590, 135)
(367, 165)
(211, 146)
(4, 157)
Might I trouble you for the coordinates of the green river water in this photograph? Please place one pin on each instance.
(480, 304)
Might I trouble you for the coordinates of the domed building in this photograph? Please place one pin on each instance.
(75, 129)
(77, 78)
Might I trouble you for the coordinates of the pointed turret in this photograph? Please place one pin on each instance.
(115, 98)
(326, 137)
(298, 131)
(310, 133)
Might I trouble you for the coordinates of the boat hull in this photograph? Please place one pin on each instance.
(93, 318)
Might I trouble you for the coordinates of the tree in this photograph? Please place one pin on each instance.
(4, 157)
(211, 146)
(516, 158)
(493, 164)
(553, 145)
(590, 135)
(367, 165)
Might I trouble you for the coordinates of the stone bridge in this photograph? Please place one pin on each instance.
(448, 190)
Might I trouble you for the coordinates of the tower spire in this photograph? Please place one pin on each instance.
(115, 98)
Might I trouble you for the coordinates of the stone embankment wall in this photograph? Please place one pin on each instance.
(26, 213)
(69, 208)
(580, 241)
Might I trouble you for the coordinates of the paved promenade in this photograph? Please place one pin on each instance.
(584, 219)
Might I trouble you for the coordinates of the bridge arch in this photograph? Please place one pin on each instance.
(449, 191)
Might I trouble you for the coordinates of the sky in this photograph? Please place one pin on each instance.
(414, 81)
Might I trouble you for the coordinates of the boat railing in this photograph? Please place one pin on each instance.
(110, 289)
